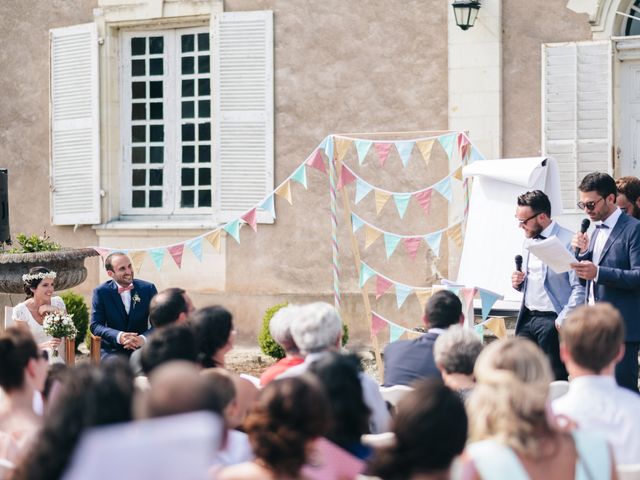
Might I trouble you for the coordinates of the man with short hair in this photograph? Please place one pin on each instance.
(592, 342)
(406, 361)
(173, 342)
(120, 308)
(548, 296)
(628, 199)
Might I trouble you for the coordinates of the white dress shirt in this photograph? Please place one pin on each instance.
(598, 245)
(126, 301)
(597, 404)
(535, 296)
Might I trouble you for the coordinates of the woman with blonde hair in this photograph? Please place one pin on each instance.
(514, 436)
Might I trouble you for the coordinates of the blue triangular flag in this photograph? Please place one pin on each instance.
(475, 155)
(402, 292)
(323, 143)
(157, 255)
(362, 147)
(395, 332)
(300, 175)
(443, 187)
(328, 149)
(268, 206)
(362, 189)
(233, 229)
(487, 299)
(356, 223)
(447, 142)
(404, 148)
(433, 240)
(390, 243)
(365, 273)
(454, 290)
(402, 202)
(195, 245)
(479, 329)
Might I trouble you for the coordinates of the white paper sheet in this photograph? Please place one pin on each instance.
(553, 253)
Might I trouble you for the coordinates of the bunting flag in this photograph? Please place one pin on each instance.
(468, 294)
(390, 243)
(479, 329)
(377, 324)
(342, 147)
(316, 161)
(195, 245)
(323, 143)
(214, 238)
(411, 244)
(447, 142)
(425, 147)
(382, 149)
(458, 173)
(365, 273)
(250, 218)
(463, 146)
(284, 191)
(233, 229)
(176, 252)
(269, 206)
(362, 147)
(424, 199)
(402, 292)
(395, 332)
(381, 200)
(423, 297)
(455, 234)
(346, 177)
(328, 148)
(402, 202)
(433, 241)
(404, 150)
(497, 326)
(157, 255)
(137, 259)
(412, 335)
(103, 252)
(370, 236)
(382, 285)
(300, 176)
(356, 223)
(362, 190)
(443, 187)
(488, 299)
(475, 155)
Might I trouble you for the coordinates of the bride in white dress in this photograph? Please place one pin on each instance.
(38, 285)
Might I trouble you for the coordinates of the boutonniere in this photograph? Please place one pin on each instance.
(135, 298)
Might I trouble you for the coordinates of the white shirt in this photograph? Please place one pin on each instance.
(597, 404)
(598, 246)
(535, 296)
(126, 301)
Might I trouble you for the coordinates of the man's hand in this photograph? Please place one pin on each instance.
(516, 279)
(585, 269)
(581, 241)
(133, 342)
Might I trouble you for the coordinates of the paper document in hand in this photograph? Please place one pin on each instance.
(553, 254)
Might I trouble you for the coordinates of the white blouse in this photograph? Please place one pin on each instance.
(21, 313)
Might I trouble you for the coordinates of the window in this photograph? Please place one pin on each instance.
(633, 26)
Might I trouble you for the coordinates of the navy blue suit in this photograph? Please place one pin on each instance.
(406, 361)
(109, 317)
(619, 284)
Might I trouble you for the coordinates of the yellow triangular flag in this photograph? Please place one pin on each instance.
(423, 297)
(497, 326)
(381, 200)
(137, 259)
(455, 234)
(425, 147)
(214, 239)
(458, 173)
(284, 191)
(413, 335)
(342, 146)
(370, 236)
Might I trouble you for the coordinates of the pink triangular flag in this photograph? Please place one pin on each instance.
(424, 199)
(382, 149)
(411, 244)
(103, 252)
(250, 218)
(468, 294)
(377, 324)
(382, 285)
(316, 161)
(346, 177)
(176, 252)
(463, 145)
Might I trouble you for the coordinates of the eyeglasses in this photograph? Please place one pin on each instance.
(524, 222)
(588, 205)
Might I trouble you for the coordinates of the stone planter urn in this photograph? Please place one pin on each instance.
(67, 263)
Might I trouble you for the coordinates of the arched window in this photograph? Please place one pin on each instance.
(632, 26)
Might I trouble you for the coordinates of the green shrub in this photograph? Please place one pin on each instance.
(270, 347)
(34, 243)
(77, 307)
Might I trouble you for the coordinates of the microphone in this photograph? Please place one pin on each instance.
(583, 229)
(519, 263)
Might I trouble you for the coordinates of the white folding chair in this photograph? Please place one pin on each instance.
(557, 389)
(628, 472)
(8, 317)
(378, 440)
(395, 393)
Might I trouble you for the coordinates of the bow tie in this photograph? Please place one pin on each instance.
(539, 237)
(125, 289)
(602, 225)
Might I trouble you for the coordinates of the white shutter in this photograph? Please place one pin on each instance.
(243, 119)
(75, 141)
(576, 111)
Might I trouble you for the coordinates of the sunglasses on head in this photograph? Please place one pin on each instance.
(588, 205)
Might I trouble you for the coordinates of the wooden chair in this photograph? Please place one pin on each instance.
(70, 351)
(94, 349)
(628, 472)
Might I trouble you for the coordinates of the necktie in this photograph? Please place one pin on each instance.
(539, 237)
(125, 289)
(602, 225)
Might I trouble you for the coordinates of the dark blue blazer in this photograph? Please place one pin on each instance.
(108, 316)
(619, 278)
(406, 361)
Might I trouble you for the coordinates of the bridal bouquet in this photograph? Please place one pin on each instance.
(59, 325)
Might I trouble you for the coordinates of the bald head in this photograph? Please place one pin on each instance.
(171, 305)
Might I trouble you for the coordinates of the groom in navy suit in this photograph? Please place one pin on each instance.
(120, 308)
(610, 262)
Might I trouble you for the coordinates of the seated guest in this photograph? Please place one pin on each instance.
(55, 377)
(89, 396)
(406, 361)
(509, 424)
(430, 428)
(175, 342)
(455, 353)
(214, 333)
(318, 330)
(340, 376)
(23, 369)
(168, 307)
(628, 198)
(592, 342)
(291, 413)
(280, 330)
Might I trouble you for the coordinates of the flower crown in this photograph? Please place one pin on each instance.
(28, 277)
